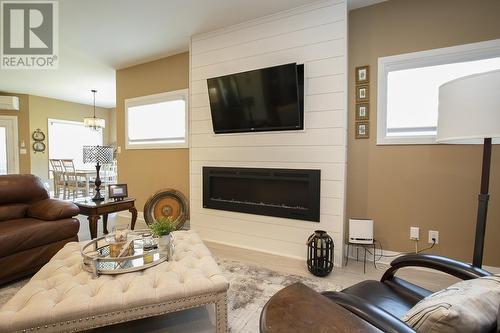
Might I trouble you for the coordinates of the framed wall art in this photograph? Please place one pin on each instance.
(362, 74)
(362, 111)
(362, 130)
(362, 93)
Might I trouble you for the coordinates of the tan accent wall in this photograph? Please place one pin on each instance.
(24, 134)
(430, 186)
(112, 126)
(149, 170)
(41, 110)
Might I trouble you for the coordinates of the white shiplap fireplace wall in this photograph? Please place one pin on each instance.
(313, 35)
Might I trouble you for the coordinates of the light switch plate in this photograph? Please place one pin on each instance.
(414, 233)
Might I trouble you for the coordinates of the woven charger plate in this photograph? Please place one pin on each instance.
(165, 203)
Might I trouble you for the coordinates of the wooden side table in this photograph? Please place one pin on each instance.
(94, 210)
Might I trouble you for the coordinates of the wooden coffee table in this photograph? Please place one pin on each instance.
(94, 210)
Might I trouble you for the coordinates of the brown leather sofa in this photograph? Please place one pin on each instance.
(32, 226)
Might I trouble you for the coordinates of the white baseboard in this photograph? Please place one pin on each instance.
(492, 269)
(128, 215)
(253, 249)
(391, 255)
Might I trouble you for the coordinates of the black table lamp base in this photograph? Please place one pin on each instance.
(97, 183)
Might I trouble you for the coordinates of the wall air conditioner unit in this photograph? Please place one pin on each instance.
(360, 231)
(9, 103)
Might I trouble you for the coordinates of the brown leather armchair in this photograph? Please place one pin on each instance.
(375, 306)
(382, 303)
(32, 226)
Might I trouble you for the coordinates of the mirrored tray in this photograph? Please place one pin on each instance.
(97, 259)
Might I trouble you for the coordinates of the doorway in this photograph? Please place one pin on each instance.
(9, 153)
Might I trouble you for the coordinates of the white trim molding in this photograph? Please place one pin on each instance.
(128, 215)
(441, 56)
(12, 136)
(389, 256)
(182, 94)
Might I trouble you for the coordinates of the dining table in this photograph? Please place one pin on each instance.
(88, 175)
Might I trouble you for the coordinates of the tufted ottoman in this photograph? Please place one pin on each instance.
(62, 297)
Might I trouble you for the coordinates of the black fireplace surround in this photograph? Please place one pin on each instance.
(289, 193)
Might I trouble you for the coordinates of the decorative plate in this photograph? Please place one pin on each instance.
(38, 135)
(39, 146)
(164, 203)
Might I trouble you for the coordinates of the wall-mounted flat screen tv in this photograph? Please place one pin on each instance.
(268, 99)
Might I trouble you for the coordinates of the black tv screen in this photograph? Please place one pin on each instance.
(267, 99)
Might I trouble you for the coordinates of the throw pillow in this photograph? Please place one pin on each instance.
(466, 306)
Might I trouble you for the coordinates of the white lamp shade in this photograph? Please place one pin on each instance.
(469, 109)
(94, 122)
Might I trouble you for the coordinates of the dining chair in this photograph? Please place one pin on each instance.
(75, 184)
(108, 173)
(58, 175)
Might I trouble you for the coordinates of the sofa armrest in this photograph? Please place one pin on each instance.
(298, 308)
(52, 209)
(447, 265)
(376, 316)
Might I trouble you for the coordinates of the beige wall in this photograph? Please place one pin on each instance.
(41, 109)
(23, 129)
(431, 186)
(112, 126)
(149, 170)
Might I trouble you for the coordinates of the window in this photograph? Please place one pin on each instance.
(67, 138)
(409, 88)
(157, 121)
(3, 151)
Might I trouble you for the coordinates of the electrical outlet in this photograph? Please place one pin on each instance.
(433, 234)
(414, 233)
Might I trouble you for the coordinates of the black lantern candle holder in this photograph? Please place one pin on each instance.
(320, 253)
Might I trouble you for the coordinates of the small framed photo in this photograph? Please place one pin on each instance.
(362, 93)
(362, 111)
(362, 74)
(117, 191)
(362, 130)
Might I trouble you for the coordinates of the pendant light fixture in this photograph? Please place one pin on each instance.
(94, 122)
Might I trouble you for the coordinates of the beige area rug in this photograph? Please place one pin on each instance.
(250, 288)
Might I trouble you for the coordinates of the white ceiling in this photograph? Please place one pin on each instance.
(98, 36)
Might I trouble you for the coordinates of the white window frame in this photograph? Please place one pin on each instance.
(441, 56)
(11, 125)
(157, 98)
